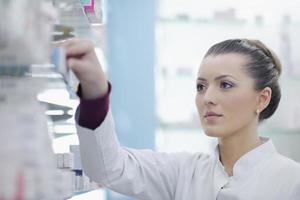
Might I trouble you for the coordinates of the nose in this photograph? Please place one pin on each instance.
(210, 96)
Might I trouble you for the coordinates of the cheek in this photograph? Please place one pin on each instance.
(199, 103)
(200, 106)
(239, 105)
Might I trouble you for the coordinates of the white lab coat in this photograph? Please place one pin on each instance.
(261, 174)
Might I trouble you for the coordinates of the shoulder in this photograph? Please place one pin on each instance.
(286, 168)
(282, 173)
(287, 163)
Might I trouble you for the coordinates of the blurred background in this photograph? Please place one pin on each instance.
(151, 51)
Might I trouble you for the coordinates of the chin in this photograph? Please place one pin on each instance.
(213, 132)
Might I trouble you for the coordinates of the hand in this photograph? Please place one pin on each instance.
(82, 60)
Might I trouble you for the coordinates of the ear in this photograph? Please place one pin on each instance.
(264, 98)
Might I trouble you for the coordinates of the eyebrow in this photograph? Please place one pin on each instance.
(217, 78)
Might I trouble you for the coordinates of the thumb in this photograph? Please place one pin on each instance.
(76, 65)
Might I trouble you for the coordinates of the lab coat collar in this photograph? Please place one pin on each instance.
(249, 161)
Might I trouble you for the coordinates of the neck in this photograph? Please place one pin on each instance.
(236, 145)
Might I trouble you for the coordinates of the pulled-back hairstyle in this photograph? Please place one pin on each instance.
(263, 66)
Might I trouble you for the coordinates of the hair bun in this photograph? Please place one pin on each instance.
(271, 54)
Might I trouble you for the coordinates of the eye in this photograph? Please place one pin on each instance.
(225, 85)
(200, 87)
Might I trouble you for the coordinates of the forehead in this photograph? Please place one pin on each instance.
(229, 64)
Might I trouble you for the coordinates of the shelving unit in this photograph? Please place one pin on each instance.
(29, 167)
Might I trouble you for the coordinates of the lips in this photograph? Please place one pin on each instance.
(212, 114)
(212, 118)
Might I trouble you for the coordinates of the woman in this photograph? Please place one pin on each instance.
(237, 88)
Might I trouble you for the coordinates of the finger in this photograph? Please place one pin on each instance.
(76, 65)
(77, 48)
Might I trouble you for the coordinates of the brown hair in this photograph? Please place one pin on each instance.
(263, 66)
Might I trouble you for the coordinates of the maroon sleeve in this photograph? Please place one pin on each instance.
(92, 112)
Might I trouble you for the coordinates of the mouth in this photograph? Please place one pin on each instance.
(212, 114)
(212, 117)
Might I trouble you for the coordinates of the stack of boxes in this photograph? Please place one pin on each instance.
(71, 163)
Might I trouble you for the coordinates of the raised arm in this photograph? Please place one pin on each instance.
(143, 174)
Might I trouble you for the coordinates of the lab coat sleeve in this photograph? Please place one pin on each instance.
(142, 174)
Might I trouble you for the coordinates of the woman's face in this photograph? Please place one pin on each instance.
(226, 99)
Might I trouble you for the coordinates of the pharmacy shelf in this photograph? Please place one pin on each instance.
(71, 14)
(73, 20)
